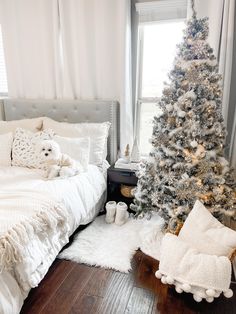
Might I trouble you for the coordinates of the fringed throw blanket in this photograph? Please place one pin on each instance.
(24, 215)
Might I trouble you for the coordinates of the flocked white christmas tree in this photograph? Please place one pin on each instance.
(186, 162)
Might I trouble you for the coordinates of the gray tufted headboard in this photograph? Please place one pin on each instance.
(69, 111)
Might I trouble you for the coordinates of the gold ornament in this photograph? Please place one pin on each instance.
(171, 121)
(200, 152)
(185, 85)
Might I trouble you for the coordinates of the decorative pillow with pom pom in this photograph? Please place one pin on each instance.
(24, 147)
(205, 276)
(205, 233)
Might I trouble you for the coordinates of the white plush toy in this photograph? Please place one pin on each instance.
(54, 162)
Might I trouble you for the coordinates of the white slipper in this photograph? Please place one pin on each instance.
(122, 214)
(110, 212)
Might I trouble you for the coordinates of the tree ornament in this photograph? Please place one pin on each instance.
(186, 160)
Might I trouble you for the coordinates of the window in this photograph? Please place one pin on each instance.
(161, 27)
(3, 75)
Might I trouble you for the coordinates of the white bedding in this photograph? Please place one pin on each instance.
(81, 195)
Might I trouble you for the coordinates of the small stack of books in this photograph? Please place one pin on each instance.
(122, 164)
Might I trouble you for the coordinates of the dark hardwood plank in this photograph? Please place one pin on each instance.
(37, 298)
(86, 304)
(117, 294)
(140, 302)
(96, 285)
(64, 298)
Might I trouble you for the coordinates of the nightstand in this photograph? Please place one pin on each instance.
(115, 178)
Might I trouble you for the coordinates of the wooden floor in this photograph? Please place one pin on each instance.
(74, 288)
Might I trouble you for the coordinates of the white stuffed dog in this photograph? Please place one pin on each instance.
(54, 162)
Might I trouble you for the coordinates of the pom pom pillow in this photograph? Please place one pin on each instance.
(76, 148)
(204, 275)
(205, 233)
(6, 145)
(33, 125)
(97, 132)
(24, 152)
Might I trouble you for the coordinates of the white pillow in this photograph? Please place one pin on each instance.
(76, 148)
(6, 145)
(205, 233)
(97, 132)
(33, 125)
(24, 147)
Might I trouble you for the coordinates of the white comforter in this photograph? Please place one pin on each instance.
(81, 195)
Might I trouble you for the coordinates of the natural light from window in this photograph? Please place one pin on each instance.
(159, 49)
(158, 53)
(3, 75)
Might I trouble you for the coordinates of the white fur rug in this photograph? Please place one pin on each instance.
(112, 246)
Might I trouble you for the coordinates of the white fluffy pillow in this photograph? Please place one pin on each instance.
(23, 149)
(205, 233)
(33, 125)
(76, 148)
(97, 132)
(6, 145)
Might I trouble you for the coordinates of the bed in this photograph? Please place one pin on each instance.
(80, 197)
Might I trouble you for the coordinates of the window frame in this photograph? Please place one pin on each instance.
(140, 50)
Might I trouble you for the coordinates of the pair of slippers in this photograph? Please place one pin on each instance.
(116, 213)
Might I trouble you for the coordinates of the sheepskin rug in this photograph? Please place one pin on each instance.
(112, 246)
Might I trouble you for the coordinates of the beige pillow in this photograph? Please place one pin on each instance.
(33, 125)
(5, 152)
(97, 132)
(205, 233)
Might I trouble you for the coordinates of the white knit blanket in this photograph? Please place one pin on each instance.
(186, 265)
(24, 215)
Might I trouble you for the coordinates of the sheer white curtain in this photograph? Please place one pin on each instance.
(30, 32)
(221, 34)
(96, 49)
(70, 49)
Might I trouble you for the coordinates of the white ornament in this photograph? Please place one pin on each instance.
(181, 113)
(194, 144)
(210, 299)
(163, 280)
(185, 176)
(169, 107)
